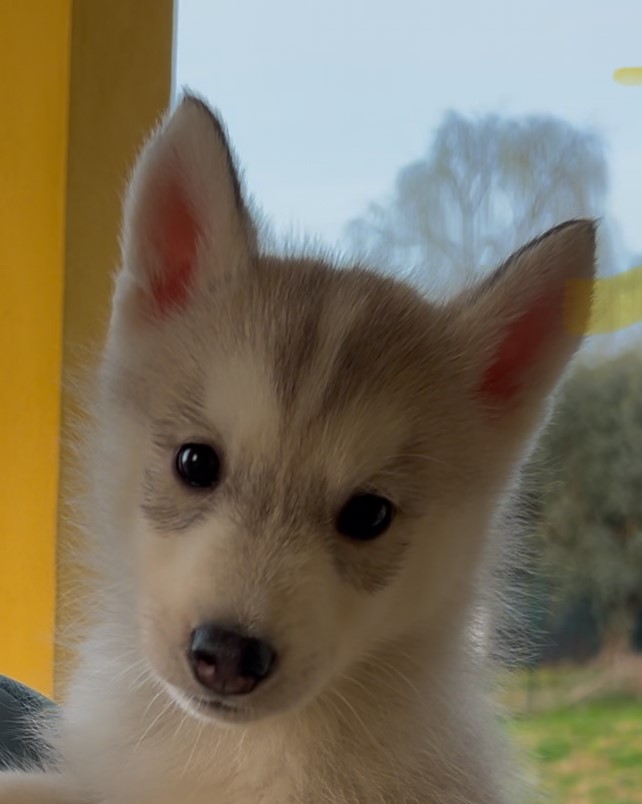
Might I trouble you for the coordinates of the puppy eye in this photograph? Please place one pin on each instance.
(365, 516)
(198, 465)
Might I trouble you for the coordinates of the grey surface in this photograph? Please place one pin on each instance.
(19, 708)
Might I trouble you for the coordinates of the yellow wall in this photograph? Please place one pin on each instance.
(121, 72)
(34, 69)
(81, 81)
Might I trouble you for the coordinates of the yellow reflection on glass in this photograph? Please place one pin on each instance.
(616, 303)
(630, 76)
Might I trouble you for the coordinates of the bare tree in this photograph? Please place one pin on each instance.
(485, 187)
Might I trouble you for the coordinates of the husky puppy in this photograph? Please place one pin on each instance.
(296, 471)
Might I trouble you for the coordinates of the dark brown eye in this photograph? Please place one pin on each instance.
(365, 516)
(198, 465)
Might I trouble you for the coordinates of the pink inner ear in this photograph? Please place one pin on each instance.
(521, 345)
(178, 237)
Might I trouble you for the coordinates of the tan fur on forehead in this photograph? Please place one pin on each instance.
(361, 333)
(312, 353)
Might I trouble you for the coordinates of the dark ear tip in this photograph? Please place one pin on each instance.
(192, 100)
(580, 234)
(577, 236)
(584, 226)
(572, 245)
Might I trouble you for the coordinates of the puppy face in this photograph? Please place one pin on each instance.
(303, 461)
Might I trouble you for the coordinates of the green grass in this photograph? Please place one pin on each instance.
(589, 753)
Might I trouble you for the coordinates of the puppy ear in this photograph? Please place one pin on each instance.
(185, 221)
(523, 324)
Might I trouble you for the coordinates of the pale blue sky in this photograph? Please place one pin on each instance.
(326, 101)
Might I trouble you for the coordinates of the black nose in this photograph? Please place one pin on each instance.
(228, 662)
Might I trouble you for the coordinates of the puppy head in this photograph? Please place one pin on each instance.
(301, 462)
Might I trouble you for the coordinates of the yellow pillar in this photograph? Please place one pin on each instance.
(120, 83)
(82, 81)
(34, 86)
